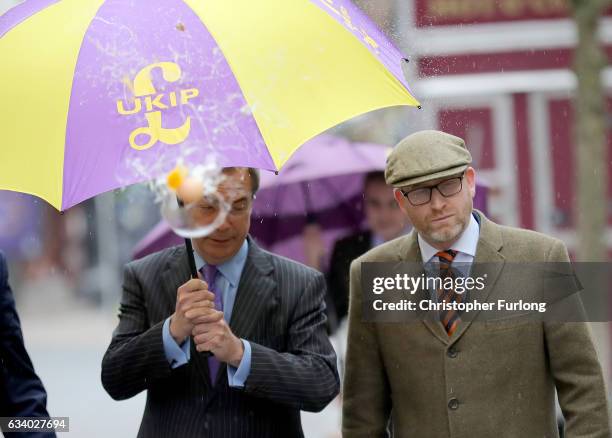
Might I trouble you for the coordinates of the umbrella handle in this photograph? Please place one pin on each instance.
(190, 259)
(193, 270)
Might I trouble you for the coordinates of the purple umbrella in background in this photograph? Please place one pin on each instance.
(321, 183)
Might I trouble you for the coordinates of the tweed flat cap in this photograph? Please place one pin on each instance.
(425, 156)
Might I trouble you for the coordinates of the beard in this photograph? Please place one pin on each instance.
(449, 233)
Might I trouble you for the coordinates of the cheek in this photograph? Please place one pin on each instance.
(399, 216)
(461, 201)
(405, 208)
(203, 245)
(469, 198)
(378, 217)
(245, 227)
(374, 216)
(415, 218)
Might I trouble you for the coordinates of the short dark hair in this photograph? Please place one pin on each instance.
(253, 173)
(374, 176)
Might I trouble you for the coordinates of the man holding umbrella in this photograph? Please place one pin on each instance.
(261, 316)
(451, 376)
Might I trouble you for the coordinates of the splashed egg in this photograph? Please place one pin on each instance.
(191, 190)
(176, 177)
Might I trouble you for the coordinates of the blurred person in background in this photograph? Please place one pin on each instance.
(22, 394)
(384, 222)
(448, 376)
(260, 315)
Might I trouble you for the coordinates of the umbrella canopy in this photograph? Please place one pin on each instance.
(100, 94)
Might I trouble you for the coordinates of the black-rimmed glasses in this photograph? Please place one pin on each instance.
(446, 188)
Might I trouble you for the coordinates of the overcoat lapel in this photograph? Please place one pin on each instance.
(487, 258)
(410, 252)
(488, 261)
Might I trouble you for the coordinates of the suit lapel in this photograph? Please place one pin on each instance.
(254, 288)
(176, 273)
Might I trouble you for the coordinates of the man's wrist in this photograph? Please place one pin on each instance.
(237, 357)
(179, 339)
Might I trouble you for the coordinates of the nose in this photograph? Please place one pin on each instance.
(437, 201)
(224, 225)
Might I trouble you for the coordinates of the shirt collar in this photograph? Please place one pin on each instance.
(467, 243)
(231, 269)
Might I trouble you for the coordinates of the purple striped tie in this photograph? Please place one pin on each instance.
(210, 274)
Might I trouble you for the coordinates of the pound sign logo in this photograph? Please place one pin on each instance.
(154, 104)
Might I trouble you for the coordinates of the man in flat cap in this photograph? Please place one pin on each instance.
(449, 376)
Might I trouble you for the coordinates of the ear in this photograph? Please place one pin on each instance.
(398, 196)
(470, 178)
(400, 199)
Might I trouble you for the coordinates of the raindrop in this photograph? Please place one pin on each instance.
(246, 109)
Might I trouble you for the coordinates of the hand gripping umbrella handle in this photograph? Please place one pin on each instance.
(194, 274)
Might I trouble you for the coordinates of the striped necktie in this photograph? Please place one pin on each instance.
(210, 275)
(449, 318)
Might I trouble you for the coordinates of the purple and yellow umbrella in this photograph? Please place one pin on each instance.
(102, 94)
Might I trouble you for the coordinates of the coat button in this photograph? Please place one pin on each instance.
(453, 404)
(452, 353)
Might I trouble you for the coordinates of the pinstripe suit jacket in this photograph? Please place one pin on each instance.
(279, 309)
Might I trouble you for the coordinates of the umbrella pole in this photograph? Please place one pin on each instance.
(191, 259)
(189, 247)
(193, 270)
